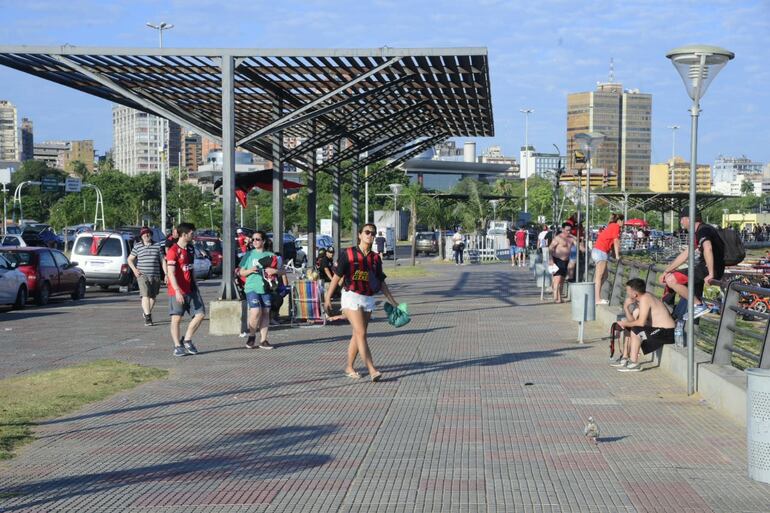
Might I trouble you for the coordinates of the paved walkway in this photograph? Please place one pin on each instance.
(482, 409)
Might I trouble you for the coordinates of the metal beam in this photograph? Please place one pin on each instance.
(122, 91)
(228, 291)
(355, 200)
(285, 120)
(277, 141)
(411, 150)
(310, 183)
(337, 202)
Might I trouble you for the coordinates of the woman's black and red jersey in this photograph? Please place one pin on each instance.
(360, 273)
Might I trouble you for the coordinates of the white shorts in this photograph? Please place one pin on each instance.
(354, 301)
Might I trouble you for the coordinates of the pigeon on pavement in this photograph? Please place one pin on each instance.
(592, 430)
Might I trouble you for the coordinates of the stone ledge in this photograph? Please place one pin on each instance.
(722, 386)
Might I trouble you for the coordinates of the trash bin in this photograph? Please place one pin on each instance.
(758, 423)
(582, 299)
(542, 276)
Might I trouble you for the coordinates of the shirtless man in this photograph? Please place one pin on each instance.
(651, 325)
(560, 248)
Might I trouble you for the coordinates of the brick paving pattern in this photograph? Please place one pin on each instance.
(482, 409)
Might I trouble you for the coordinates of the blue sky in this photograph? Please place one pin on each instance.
(539, 52)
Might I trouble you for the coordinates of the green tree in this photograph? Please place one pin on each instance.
(36, 204)
(747, 188)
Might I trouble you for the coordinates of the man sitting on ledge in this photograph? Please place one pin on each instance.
(650, 324)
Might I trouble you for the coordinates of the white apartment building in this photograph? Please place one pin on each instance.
(10, 145)
(733, 188)
(139, 139)
(725, 169)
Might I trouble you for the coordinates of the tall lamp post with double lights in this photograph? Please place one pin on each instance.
(697, 65)
(395, 188)
(589, 142)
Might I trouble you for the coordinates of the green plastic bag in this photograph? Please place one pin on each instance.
(397, 316)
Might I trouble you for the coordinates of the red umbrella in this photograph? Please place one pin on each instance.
(263, 179)
(636, 222)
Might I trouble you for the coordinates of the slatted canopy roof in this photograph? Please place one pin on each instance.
(660, 201)
(385, 102)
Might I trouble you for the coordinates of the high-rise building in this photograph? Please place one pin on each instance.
(50, 152)
(625, 119)
(192, 156)
(660, 176)
(727, 168)
(81, 151)
(27, 140)
(141, 140)
(10, 149)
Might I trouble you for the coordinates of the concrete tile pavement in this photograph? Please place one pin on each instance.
(482, 409)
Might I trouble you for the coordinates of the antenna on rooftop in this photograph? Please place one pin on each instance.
(612, 70)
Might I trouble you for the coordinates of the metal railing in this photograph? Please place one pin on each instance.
(734, 337)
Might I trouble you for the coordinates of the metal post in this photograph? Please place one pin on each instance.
(228, 179)
(311, 209)
(366, 191)
(673, 128)
(395, 227)
(587, 228)
(277, 145)
(577, 224)
(356, 193)
(5, 211)
(162, 183)
(694, 112)
(336, 183)
(526, 113)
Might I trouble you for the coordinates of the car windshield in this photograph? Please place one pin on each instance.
(98, 246)
(424, 235)
(21, 257)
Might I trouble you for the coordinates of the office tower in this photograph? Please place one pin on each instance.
(140, 141)
(27, 140)
(624, 117)
(10, 149)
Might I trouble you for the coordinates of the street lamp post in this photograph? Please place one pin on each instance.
(673, 129)
(395, 188)
(697, 65)
(589, 143)
(494, 204)
(160, 27)
(526, 113)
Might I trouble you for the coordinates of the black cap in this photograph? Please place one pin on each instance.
(685, 212)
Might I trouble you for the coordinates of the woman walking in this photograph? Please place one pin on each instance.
(609, 238)
(258, 266)
(360, 271)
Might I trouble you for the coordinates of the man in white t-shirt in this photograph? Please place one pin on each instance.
(543, 242)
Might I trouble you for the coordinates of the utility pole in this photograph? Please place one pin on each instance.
(526, 113)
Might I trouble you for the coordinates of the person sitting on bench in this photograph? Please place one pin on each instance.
(651, 325)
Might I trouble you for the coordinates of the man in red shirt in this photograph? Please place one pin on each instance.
(521, 245)
(243, 242)
(184, 295)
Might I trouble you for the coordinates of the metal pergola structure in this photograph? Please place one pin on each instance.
(656, 201)
(369, 105)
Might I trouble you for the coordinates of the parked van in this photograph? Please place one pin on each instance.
(103, 256)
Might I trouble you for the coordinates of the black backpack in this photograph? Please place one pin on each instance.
(734, 250)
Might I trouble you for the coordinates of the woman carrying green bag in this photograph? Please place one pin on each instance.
(360, 271)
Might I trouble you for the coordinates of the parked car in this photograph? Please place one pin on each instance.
(13, 284)
(48, 272)
(103, 256)
(321, 241)
(12, 240)
(202, 265)
(289, 250)
(41, 235)
(426, 242)
(213, 246)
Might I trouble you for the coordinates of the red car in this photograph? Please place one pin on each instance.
(213, 246)
(49, 273)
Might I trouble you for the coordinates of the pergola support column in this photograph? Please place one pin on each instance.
(311, 209)
(228, 180)
(277, 145)
(356, 201)
(336, 201)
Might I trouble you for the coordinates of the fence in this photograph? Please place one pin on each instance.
(735, 337)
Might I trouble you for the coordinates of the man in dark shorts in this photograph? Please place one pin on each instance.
(650, 324)
(379, 243)
(184, 295)
(145, 261)
(560, 248)
(709, 262)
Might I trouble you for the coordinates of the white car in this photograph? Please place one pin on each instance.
(13, 284)
(202, 265)
(321, 241)
(12, 240)
(103, 256)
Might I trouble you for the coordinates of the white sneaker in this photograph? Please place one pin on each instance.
(619, 363)
(631, 367)
(244, 334)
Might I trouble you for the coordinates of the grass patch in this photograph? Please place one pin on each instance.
(406, 271)
(27, 399)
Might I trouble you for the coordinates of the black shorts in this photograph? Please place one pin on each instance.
(562, 265)
(654, 338)
(699, 276)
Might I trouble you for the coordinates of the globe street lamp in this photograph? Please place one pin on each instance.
(589, 143)
(697, 65)
(395, 188)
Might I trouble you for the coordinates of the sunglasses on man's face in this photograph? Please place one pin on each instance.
(368, 232)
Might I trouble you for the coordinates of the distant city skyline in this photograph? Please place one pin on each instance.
(537, 56)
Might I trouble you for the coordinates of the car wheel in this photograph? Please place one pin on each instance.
(43, 294)
(21, 298)
(80, 291)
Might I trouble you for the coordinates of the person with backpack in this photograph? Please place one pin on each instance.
(259, 267)
(709, 262)
(359, 269)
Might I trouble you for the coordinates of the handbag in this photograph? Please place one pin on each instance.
(397, 316)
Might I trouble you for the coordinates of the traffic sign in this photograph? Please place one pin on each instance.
(73, 184)
(49, 183)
